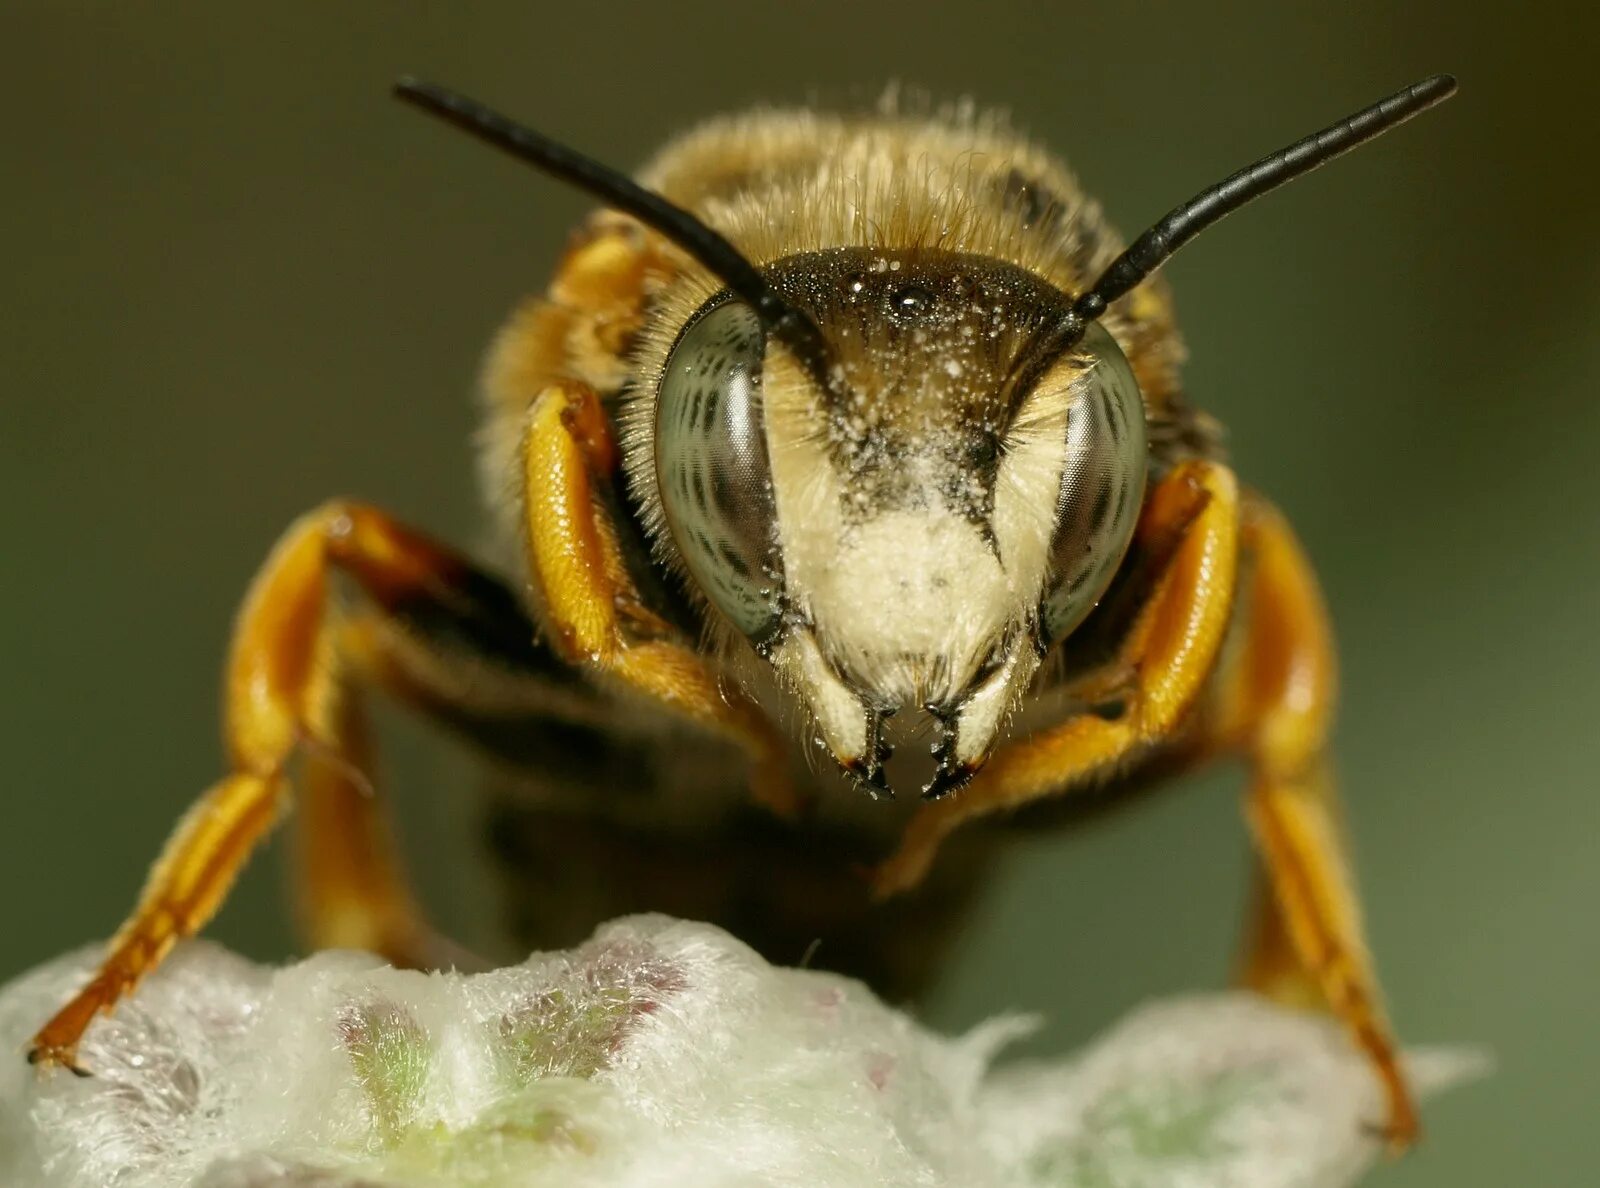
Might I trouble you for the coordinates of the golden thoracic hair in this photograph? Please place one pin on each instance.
(952, 179)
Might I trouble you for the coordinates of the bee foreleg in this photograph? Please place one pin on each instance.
(593, 613)
(1170, 650)
(1274, 703)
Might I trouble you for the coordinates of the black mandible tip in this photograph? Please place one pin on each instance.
(617, 190)
(1180, 225)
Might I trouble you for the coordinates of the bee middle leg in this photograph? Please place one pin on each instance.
(433, 628)
(1305, 945)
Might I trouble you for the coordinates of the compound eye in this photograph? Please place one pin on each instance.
(1102, 484)
(712, 467)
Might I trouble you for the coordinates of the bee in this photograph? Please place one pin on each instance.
(842, 454)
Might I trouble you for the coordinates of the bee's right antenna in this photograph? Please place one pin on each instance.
(1156, 246)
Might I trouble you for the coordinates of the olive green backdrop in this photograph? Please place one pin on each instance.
(237, 279)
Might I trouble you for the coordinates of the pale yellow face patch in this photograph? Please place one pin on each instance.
(913, 605)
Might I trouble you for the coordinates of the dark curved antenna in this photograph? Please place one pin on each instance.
(1157, 245)
(621, 192)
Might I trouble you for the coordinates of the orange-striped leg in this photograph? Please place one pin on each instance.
(291, 680)
(1305, 946)
(1168, 653)
(589, 603)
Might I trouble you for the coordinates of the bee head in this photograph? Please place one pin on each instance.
(911, 526)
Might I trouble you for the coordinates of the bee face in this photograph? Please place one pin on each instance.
(909, 526)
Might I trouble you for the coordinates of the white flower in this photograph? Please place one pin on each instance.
(659, 1053)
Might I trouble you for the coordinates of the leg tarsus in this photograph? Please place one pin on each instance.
(1298, 838)
(184, 889)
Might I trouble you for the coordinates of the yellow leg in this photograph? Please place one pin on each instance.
(590, 608)
(285, 686)
(1306, 945)
(186, 885)
(1268, 963)
(350, 889)
(1170, 652)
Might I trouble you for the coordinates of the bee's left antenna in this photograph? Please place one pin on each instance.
(618, 190)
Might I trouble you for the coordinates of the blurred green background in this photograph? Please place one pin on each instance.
(238, 279)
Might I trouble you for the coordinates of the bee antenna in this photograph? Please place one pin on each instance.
(618, 190)
(1181, 224)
